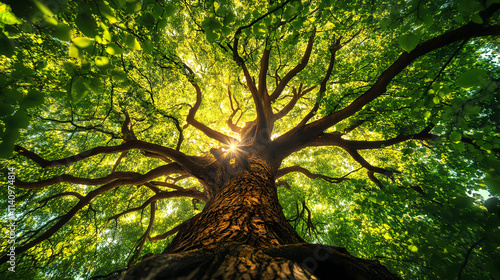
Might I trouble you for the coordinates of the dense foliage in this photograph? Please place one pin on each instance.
(419, 195)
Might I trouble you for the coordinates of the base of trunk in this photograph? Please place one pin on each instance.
(237, 261)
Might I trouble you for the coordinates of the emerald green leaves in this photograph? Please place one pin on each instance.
(62, 32)
(455, 136)
(81, 86)
(211, 27)
(409, 42)
(6, 45)
(114, 49)
(472, 78)
(6, 16)
(86, 23)
(102, 62)
(82, 42)
(32, 99)
(81, 67)
(131, 42)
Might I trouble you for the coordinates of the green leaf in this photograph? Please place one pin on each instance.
(493, 182)
(114, 49)
(107, 12)
(119, 74)
(69, 67)
(163, 23)
(96, 85)
(476, 18)
(463, 202)
(44, 9)
(32, 99)
(472, 78)
(62, 32)
(413, 248)
(170, 10)
(455, 136)
(82, 42)
(87, 24)
(468, 5)
(211, 36)
(147, 20)
(211, 24)
(6, 45)
(74, 51)
(18, 120)
(259, 30)
(409, 42)
(102, 62)
(133, 6)
(132, 42)
(6, 109)
(147, 46)
(79, 88)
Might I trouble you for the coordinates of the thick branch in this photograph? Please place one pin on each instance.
(237, 58)
(264, 66)
(233, 126)
(187, 163)
(361, 160)
(374, 179)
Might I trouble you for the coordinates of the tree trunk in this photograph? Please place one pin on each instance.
(242, 233)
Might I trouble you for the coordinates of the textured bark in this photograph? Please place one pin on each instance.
(246, 210)
(242, 234)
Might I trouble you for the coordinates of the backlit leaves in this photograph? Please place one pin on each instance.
(82, 64)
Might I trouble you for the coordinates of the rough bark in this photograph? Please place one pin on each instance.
(242, 233)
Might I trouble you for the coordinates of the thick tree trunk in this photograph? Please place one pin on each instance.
(243, 234)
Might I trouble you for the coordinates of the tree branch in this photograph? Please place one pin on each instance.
(322, 89)
(187, 163)
(170, 232)
(335, 139)
(405, 59)
(192, 113)
(145, 235)
(283, 171)
(290, 105)
(288, 141)
(191, 192)
(65, 178)
(139, 180)
(75, 194)
(303, 62)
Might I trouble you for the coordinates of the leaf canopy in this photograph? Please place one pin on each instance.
(413, 179)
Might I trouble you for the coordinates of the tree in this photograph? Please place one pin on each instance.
(225, 138)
